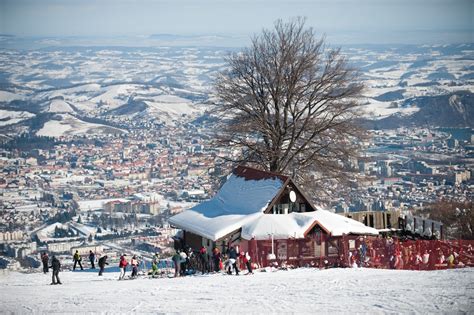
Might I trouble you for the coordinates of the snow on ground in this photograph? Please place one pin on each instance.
(300, 291)
(8, 96)
(115, 95)
(378, 110)
(60, 106)
(8, 117)
(70, 125)
(93, 205)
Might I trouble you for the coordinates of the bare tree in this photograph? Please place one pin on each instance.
(457, 217)
(290, 104)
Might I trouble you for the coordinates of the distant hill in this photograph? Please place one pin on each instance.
(450, 110)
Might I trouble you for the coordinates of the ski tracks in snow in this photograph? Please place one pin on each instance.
(299, 291)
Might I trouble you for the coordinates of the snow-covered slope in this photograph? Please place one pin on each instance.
(66, 124)
(8, 96)
(9, 117)
(300, 291)
(377, 110)
(133, 86)
(59, 106)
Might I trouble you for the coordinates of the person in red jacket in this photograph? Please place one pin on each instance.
(123, 266)
(247, 261)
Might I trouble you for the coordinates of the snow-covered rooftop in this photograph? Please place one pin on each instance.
(338, 225)
(282, 226)
(93, 205)
(296, 225)
(238, 201)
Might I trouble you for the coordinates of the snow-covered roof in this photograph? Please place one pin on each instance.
(93, 205)
(239, 201)
(338, 225)
(282, 226)
(296, 225)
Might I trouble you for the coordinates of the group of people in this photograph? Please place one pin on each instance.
(123, 263)
(183, 262)
(102, 261)
(55, 264)
(411, 255)
(191, 261)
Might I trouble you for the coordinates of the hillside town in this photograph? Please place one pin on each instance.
(100, 146)
(93, 193)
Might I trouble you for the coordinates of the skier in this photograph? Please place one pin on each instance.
(248, 262)
(134, 262)
(102, 263)
(123, 266)
(204, 260)
(45, 261)
(56, 265)
(216, 257)
(232, 253)
(177, 263)
(184, 262)
(92, 259)
(362, 252)
(154, 268)
(77, 259)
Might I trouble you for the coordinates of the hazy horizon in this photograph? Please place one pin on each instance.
(234, 22)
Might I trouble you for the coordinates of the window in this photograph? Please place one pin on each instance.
(333, 248)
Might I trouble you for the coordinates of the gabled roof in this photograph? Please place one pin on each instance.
(247, 192)
(298, 225)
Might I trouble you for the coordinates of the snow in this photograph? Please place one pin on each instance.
(48, 231)
(281, 226)
(90, 87)
(84, 229)
(378, 110)
(295, 225)
(93, 205)
(174, 110)
(8, 117)
(338, 225)
(237, 202)
(115, 95)
(299, 291)
(170, 99)
(168, 108)
(8, 97)
(70, 125)
(54, 128)
(59, 106)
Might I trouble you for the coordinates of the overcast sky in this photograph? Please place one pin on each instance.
(344, 21)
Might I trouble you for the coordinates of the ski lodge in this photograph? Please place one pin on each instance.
(269, 216)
